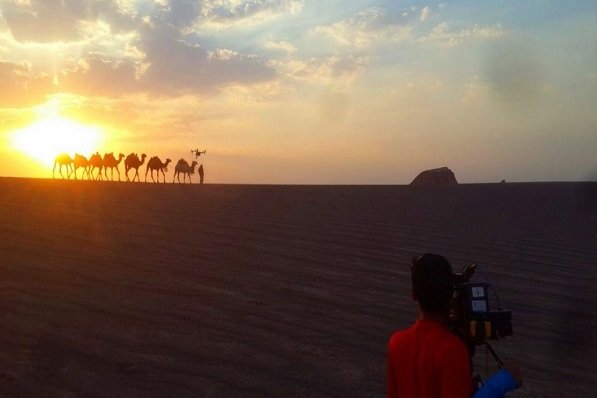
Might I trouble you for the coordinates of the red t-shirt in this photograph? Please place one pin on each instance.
(428, 361)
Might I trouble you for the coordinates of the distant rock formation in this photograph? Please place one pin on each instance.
(441, 176)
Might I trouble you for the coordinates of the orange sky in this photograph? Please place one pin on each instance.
(291, 91)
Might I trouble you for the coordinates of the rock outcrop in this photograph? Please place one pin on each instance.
(441, 176)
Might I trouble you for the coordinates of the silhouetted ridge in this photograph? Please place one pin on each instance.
(441, 176)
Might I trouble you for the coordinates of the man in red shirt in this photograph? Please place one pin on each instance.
(427, 360)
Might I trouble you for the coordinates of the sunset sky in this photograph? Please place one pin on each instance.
(301, 91)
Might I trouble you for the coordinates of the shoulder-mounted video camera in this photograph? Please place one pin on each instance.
(471, 314)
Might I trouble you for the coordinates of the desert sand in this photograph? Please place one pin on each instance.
(153, 290)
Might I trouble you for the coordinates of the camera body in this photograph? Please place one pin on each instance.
(471, 314)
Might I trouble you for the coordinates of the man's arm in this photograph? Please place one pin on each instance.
(498, 385)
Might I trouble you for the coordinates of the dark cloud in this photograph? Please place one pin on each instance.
(514, 72)
(48, 20)
(183, 13)
(177, 65)
(100, 77)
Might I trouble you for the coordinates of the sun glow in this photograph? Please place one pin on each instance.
(44, 139)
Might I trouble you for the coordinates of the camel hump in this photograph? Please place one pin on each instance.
(182, 162)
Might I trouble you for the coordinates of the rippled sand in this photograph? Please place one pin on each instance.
(144, 290)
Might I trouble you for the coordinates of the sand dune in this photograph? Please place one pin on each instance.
(146, 290)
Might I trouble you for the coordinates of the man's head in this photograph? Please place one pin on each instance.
(432, 282)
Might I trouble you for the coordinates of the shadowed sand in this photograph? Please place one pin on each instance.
(136, 290)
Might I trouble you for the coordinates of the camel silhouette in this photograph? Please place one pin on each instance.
(63, 160)
(156, 164)
(110, 162)
(182, 166)
(81, 161)
(96, 162)
(132, 162)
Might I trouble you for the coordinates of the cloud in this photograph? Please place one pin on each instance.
(323, 70)
(60, 21)
(425, 13)
(285, 46)
(45, 21)
(19, 88)
(95, 76)
(228, 12)
(366, 27)
(447, 35)
(118, 48)
(177, 65)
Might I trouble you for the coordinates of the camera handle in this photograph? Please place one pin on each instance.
(494, 354)
(477, 379)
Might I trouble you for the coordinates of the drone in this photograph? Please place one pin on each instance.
(198, 153)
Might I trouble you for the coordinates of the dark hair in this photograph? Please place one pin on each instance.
(432, 282)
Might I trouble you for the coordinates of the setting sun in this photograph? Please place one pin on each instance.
(46, 138)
